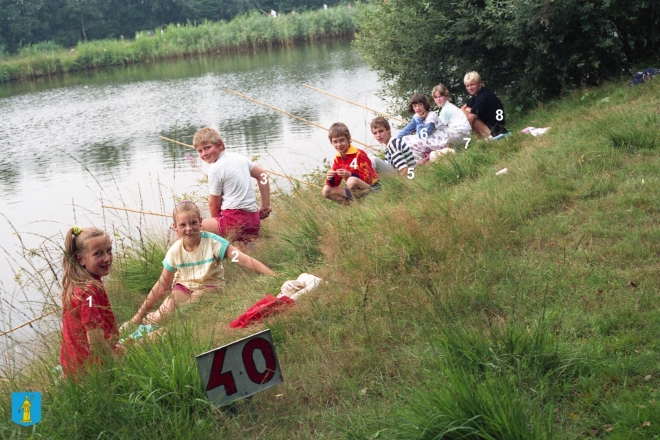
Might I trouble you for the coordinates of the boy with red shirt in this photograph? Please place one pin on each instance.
(351, 164)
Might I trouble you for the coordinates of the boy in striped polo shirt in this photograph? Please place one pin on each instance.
(398, 156)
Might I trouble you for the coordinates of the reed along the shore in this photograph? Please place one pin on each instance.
(249, 32)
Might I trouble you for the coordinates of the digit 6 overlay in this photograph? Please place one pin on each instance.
(240, 369)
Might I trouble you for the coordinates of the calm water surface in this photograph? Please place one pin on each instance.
(72, 144)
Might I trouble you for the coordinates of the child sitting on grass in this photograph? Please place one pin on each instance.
(431, 134)
(193, 264)
(484, 110)
(398, 156)
(89, 332)
(457, 123)
(232, 203)
(351, 164)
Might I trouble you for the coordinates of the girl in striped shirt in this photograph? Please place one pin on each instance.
(192, 266)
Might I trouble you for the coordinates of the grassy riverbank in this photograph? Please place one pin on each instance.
(245, 33)
(520, 306)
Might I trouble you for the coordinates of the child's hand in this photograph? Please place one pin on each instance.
(344, 173)
(331, 174)
(130, 323)
(120, 349)
(264, 212)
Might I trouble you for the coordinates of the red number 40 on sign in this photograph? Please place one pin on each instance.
(240, 369)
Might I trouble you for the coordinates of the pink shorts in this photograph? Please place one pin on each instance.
(181, 288)
(238, 225)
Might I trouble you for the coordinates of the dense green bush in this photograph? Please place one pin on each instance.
(529, 50)
(40, 48)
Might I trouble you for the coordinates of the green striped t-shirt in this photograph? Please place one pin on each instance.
(201, 268)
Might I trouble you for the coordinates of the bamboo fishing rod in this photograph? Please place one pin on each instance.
(292, 178)
(27, 323)
(268, 171)
(293, 116)
(176, 142)
(355, 103)
(134, 210)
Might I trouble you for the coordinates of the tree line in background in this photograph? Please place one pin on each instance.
(65, 22)
(528, 50)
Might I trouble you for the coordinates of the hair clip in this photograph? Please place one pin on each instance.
(76, 231)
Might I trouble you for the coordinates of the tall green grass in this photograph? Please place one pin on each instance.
(140, 264)
(249, 32)
(459, 304)
(478, 388)
(156, 383)
(631, 132)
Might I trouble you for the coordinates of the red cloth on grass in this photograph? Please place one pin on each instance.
(268, 305)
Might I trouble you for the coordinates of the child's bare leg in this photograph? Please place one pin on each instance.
(357, 187)
(211, 225)
(478, 126)
(168, 307)
(335, 193)
(481, 128)
(196, 296)
(163, 311)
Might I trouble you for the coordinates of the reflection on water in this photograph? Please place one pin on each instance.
(8, 175)
(72, 143)
(252, 132)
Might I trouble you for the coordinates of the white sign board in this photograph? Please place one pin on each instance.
(240, 369)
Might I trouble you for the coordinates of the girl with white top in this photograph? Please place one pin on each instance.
(457, 123)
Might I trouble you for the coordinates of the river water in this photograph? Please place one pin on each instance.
(72, 144)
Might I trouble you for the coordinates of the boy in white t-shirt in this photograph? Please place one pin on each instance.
(233, 205)
(192, 266)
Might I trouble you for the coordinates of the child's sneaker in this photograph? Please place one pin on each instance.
(500, 136)
(435, 155)
(142, 331)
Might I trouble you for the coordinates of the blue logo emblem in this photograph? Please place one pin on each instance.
(26, 408)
